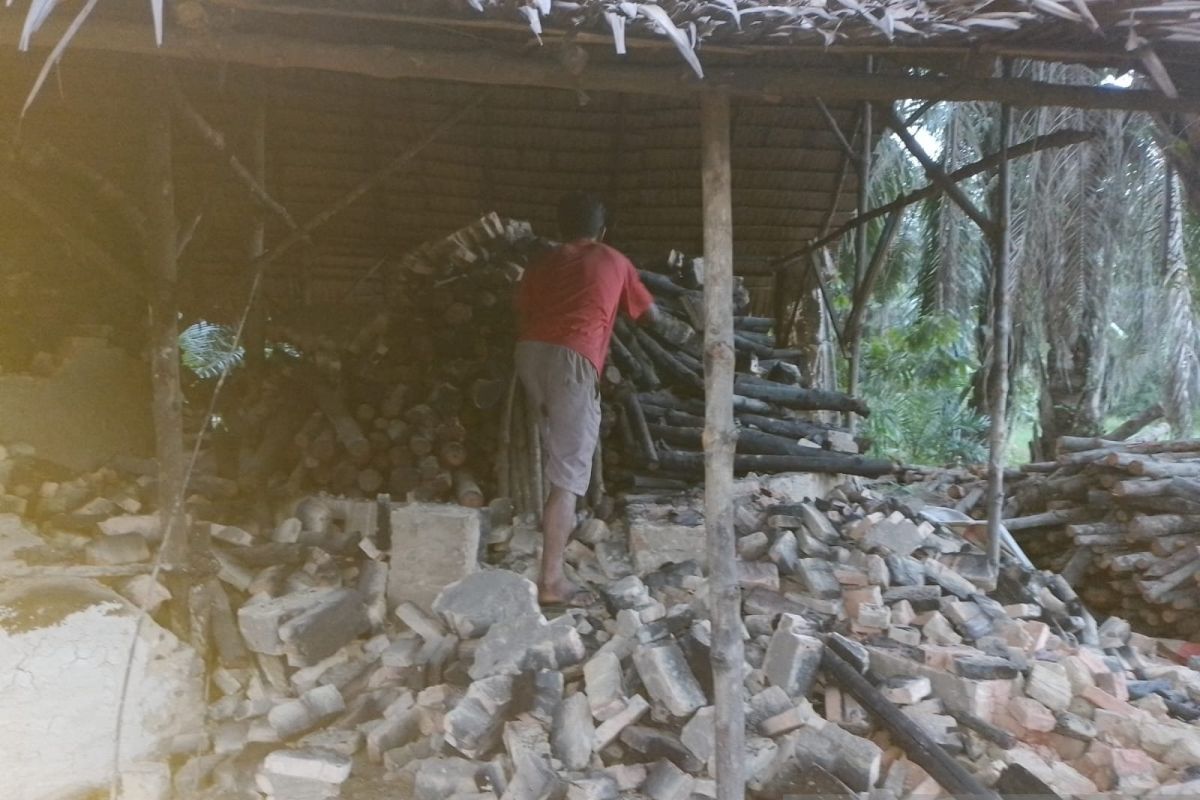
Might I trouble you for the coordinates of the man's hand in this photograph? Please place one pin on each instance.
(649, 317)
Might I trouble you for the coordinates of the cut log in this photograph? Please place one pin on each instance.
(345, 426)
(1143, 527)
(823, 461)
(799, 398)
(466, 490)
(1048, 519)
(641, 431)
(911, 737)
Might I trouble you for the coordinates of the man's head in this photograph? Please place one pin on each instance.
(580, 216)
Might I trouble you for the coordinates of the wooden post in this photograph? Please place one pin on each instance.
(162, 271)
(256, 321)
(1001, 330)
(861, 256)
(162, 268)
(719, 444)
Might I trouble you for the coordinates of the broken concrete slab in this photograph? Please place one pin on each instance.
(527, 643)
(657, 536)
(71, 653)
(473, 604)
(432, 547)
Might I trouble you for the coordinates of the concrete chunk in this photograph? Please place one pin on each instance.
(1048, 683)
(753, 546)
(122, 548)
(306, 713)
(612, 727)
(602, 681)
(324, 628)
(793, 657)
(527, 643)
(261, 619)
(473, 604)
(473, 726)
(432, 547)
(573, 733)
(665, 781)
(699, 734)
(325, 766)
(668, 678)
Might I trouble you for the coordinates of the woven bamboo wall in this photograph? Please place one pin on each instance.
(515, 154)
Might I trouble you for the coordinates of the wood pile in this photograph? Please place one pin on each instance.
(421, 398)
(1121, 522)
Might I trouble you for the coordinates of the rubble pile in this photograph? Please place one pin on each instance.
(421, 399)
(481, 694)
(354, 638)
(1119, 520)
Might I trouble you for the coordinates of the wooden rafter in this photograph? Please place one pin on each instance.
(486, 67)
(937, 174)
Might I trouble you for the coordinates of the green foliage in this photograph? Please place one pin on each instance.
(916, 377)
(208, 349)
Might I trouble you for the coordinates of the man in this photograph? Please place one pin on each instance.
(567, 305)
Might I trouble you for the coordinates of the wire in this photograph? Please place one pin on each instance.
(175, 509)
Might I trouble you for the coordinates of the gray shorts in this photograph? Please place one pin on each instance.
(563, 390)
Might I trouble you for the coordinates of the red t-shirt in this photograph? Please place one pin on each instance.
(570, 297)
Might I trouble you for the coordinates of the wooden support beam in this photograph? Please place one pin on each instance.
(937, 175)
(720, 438)
(1063, 138)
(484, 66)
(853, 333)
(167, 400)
(1001, 333)
(256, 317)
(861, 256)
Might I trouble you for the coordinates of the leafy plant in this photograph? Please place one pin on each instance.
(209, 349)
(916, 376)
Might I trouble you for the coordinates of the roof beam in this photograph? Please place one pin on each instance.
(478, 66)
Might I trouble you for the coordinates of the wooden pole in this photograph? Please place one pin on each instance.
(1001, 333)
(719, 443)
(167, 404)
(861, 256)
(256, 334)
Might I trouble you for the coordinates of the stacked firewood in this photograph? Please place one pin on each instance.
(1121, 521)
(422, 399)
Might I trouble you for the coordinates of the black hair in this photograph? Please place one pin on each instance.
(580, 216)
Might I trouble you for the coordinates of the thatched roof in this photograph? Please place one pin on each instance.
(698, 28)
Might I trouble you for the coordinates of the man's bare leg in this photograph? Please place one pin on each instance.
(558, 520)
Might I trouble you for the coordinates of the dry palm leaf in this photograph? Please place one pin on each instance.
(661, 19)
(57, 52)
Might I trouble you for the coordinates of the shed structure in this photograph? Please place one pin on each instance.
(726, 127)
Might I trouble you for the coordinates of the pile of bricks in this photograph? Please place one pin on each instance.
(409, 646)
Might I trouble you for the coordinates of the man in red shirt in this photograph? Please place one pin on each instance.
(567, 305)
